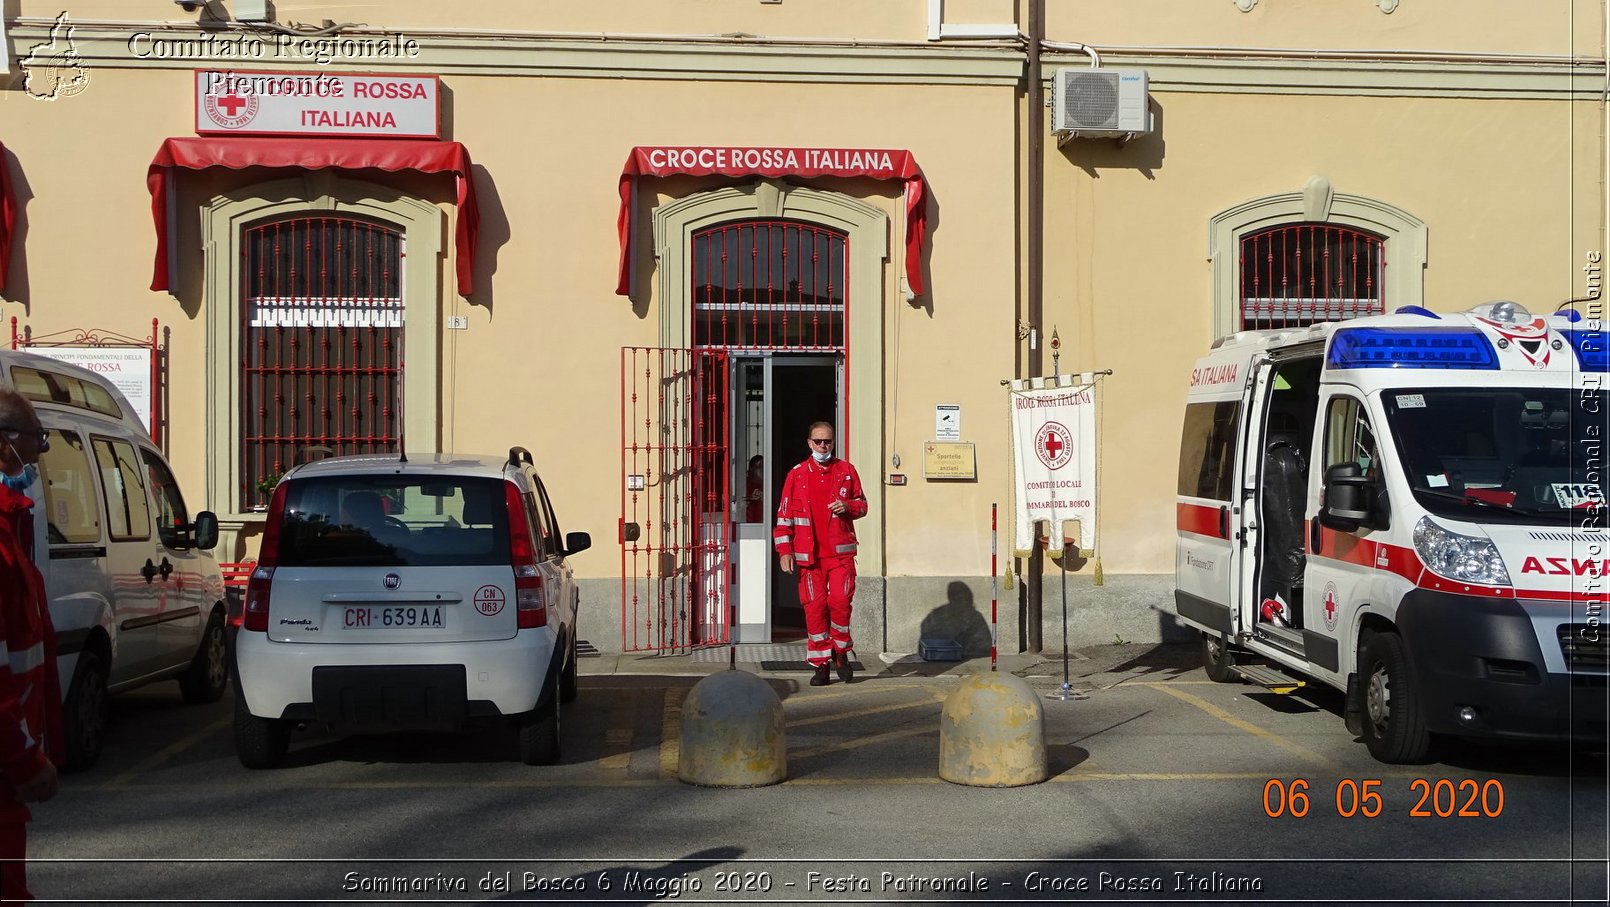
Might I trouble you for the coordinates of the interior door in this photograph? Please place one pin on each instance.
(800, 390)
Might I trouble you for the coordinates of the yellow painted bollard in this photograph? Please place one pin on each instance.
(732, 733)
(992, 733)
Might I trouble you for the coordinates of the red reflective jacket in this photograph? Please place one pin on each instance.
(30, 691)
(805, 529)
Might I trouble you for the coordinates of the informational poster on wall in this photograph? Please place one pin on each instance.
(128, 368)
(1054, 450)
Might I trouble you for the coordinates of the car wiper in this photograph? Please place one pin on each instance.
(1461, 499)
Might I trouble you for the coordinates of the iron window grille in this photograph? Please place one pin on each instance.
(769, 285)
(1299, 274)
(322, 321)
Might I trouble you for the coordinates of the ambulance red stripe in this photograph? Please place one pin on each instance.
(1197, 518)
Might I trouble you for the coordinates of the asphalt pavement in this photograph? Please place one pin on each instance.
(1164, 787)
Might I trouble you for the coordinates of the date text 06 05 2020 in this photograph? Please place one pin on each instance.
(1441, 798)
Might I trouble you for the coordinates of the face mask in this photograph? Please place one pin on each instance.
(821, 456)
(22, 480)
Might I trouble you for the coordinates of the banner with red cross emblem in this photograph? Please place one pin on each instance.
(1054, 452)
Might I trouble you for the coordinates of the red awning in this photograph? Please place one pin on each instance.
(316, 154)
(8, 216)
(805, 163)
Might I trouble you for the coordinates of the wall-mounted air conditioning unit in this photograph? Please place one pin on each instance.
(1100, 103)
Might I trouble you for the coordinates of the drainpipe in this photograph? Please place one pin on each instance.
(1034, 182)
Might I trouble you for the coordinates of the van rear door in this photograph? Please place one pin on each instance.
(390, 558)
(1208, 553)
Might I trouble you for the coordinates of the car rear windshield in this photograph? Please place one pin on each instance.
(394, 521)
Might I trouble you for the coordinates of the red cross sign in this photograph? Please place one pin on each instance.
(1052, 443)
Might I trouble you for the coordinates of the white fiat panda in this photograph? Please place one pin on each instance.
(408, 594)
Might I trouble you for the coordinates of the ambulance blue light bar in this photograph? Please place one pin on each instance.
(1591, 349)
(1410, 348)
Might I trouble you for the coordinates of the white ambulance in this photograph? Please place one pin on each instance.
(1409, 508)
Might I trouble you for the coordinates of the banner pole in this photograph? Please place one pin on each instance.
(1064, 565)
(992, 574)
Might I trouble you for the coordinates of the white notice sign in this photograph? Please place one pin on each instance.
(128, 368)
(347, 105)
(948, 422)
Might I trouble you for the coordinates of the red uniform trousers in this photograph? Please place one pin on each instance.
(825, 589)
(13, 865)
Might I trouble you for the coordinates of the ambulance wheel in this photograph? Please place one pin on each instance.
(208, 674)
(1394, 717)
(1218, 659)
(86, 712)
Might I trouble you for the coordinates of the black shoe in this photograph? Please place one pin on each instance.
(842, 660)
(821, 678)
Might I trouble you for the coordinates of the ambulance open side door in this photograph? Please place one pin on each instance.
(1245, 519)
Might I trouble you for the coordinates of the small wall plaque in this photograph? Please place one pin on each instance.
(949, 460)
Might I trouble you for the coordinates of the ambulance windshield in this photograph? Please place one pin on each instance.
(1514, 455)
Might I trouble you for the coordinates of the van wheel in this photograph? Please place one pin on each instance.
(567, 678)
(1218, 659)
(208, 673)
(539, 735)
(1394, 716)
(259, 742)
(86, 713)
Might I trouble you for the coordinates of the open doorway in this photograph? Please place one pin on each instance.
(776, 398)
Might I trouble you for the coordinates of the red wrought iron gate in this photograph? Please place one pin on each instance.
(676, 515)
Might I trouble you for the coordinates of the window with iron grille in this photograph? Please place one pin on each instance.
(769, 285)
(1299, 274)
(322, 316)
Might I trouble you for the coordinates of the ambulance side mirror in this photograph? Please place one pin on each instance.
(1347, 498)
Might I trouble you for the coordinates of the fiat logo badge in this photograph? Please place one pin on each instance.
(393, 581)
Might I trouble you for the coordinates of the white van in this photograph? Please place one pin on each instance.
(1409, 508)
(134, 594)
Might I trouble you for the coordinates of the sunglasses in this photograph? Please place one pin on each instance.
(17, 434)
(826, 441)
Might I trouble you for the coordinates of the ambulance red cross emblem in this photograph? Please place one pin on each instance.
(1330, 606)
(1053, 444)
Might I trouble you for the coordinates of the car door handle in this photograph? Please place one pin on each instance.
(166, 569)
(149, 571)
(1314, 536)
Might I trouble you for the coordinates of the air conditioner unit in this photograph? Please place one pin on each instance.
(253, 10)
(1099, 102)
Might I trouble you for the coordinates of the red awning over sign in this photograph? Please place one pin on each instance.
(8, 216)
(806, 163)
(316, 154)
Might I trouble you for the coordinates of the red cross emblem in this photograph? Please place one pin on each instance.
(1053, 445)
(231, 111)
(1531, 339)
(1330, 606)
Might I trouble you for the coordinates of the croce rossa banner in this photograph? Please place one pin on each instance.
(1054, 450)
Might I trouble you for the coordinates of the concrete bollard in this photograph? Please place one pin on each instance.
(992, 733)
(732, 733)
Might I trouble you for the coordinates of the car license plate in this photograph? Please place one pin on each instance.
(393, 617)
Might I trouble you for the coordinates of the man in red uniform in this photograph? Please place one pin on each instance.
(30, 692)
(815, 534)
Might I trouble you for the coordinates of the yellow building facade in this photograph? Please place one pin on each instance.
(456, 286)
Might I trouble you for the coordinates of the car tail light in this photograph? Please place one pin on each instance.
(255, 613)
(531, 606)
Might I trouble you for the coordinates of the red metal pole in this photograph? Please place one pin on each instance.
(13, 332)
(156, 387)
(992, 572)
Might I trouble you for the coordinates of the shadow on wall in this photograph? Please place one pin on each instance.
(958, 619)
